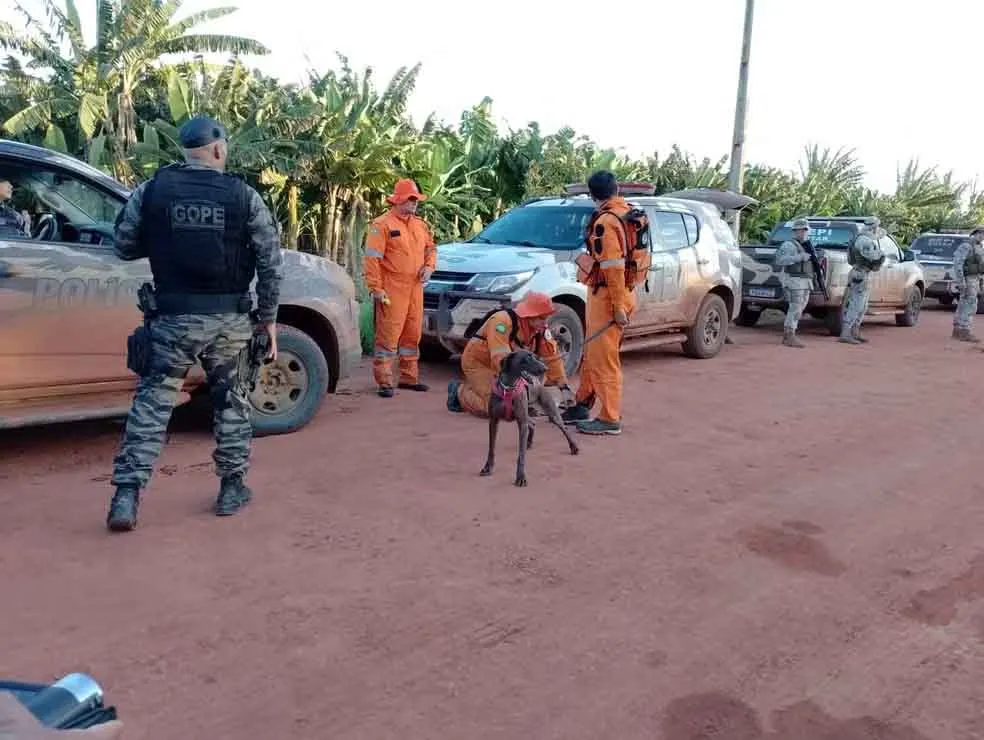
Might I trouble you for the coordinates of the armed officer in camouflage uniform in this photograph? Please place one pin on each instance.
(865, 257)
(797, 279)
(206, 233)
(968, 269)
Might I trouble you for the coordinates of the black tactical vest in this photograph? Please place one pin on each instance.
(972, 263)
(11, 222)
(193, 220)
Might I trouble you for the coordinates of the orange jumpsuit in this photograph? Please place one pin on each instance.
(601, 371)
(397, 247)
(485, 352)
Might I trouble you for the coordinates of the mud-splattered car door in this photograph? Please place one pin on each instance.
(65, 313)
(67, 303)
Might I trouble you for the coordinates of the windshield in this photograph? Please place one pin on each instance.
(78, 202)
(552, 227)
(820, 236)
(938, 246)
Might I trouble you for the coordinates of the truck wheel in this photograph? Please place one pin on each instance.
(913, 304)
(567, 330)
(748, 316)
(706, 337)
(833, 321)
(290, 389)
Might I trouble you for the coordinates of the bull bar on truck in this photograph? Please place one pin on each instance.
(444, 320)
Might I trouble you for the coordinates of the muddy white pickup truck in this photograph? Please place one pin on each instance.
(897, 289)
(67, 304)
(688, 299)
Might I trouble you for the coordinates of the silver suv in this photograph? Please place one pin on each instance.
(692, 293)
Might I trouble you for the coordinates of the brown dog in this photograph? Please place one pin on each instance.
(517, 388)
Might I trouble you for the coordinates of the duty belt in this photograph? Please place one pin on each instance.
(205, 303)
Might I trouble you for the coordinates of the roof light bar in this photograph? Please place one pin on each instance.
(624, 188)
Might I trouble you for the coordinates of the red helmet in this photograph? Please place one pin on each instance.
(535, 304)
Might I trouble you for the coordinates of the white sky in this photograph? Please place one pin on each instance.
(890, 80)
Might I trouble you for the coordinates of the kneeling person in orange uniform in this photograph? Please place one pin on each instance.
(609, 306)
(524, 327)
(400, 257)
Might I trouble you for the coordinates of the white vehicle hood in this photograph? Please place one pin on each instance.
(475, 257)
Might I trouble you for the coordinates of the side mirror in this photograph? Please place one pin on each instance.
(908, 255)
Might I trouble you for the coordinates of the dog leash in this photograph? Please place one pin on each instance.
(601, 331)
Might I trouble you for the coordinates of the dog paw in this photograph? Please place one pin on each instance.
(575, 449)
(521, 481)
(486, 471)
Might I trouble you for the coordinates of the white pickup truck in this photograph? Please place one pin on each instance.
(896, 289)
(689, 298)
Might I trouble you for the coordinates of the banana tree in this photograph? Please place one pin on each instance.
(98, 86)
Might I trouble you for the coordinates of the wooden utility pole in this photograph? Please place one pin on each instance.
(735, 176)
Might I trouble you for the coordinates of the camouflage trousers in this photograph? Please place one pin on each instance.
(797, 300)
(855, 302)
(178, 341)
(970, 288)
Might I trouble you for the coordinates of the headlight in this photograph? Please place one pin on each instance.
(499, 283)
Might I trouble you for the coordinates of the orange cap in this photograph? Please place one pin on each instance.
(535, 304)
(403, 191)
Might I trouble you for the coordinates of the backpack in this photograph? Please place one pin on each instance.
(638, 248)
(474, 328)
(855, 258)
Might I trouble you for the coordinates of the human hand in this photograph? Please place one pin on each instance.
(380, 295)
(425, 274)
(270, 327)
(621, 318)
(17, 723)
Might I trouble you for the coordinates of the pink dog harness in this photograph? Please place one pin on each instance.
(508, 395)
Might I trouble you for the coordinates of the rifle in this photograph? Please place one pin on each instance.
(818, 269)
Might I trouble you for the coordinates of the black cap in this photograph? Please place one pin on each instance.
(200, 131)
(602, 185)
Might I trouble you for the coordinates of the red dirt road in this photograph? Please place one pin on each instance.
(783, 544)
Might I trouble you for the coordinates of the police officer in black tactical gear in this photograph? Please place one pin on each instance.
(206, 234)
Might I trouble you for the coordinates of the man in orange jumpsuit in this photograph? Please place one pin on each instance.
(400, 257)
(609, 307)
(523, 327)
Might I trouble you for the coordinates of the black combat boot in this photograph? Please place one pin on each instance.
(122, 515)
(233, 495)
